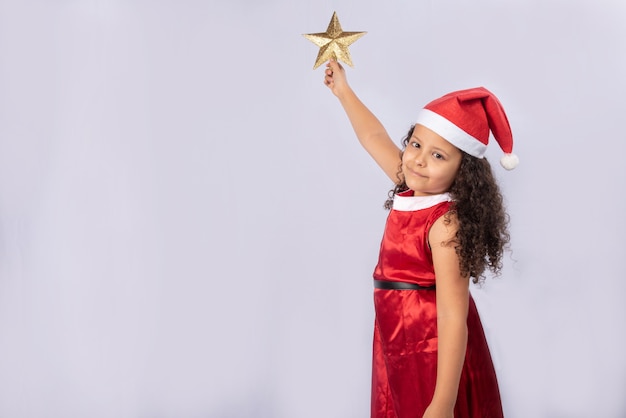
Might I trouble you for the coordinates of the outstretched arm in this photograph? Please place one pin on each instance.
(452, 307)
(370, 132)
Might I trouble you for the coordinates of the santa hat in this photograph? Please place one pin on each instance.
(465, 117)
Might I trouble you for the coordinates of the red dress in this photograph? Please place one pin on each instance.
(404, 369)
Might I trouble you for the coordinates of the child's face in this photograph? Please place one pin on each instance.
(429, 162)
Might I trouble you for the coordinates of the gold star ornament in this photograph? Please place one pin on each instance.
(334, 43)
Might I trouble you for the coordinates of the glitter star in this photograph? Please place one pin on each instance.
(334, 42)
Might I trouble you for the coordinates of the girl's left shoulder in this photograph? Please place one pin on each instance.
(444, 227)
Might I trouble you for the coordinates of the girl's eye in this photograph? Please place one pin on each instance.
(438, 156)
(415, 144)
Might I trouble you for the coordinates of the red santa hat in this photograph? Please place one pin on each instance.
(465, 117)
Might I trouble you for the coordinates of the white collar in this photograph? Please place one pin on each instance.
(404, 203)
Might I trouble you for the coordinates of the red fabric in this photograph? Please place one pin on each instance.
(405, 334)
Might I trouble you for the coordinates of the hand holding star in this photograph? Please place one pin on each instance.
(335, 78)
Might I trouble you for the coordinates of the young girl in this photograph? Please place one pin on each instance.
(446, 224)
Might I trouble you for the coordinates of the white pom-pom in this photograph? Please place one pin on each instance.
(509, 161)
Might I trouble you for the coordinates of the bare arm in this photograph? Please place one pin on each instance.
(370, 132)
(452, 308)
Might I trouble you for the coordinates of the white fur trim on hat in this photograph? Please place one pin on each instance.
(451, 133)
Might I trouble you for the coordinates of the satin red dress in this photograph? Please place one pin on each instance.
(404, 369)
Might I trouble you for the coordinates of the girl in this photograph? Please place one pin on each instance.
(447, 224)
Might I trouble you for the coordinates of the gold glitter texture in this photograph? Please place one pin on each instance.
(334, 43)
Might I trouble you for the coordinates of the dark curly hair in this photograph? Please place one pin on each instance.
(483, 234)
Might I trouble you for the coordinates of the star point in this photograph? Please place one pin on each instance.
(334, 43)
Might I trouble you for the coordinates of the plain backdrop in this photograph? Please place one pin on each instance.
(188, 226)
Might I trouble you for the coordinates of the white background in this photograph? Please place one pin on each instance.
(188, 227)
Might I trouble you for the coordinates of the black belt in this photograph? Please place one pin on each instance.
(384, 284)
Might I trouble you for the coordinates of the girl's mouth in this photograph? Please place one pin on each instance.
(416, 174)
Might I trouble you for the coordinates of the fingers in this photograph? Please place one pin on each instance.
(332, 66)
(328, 78)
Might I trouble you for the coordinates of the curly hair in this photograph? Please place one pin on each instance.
(483, 233)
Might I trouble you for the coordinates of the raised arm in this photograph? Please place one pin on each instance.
(370, 132)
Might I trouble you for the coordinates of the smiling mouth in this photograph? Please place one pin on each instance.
(416, 174)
